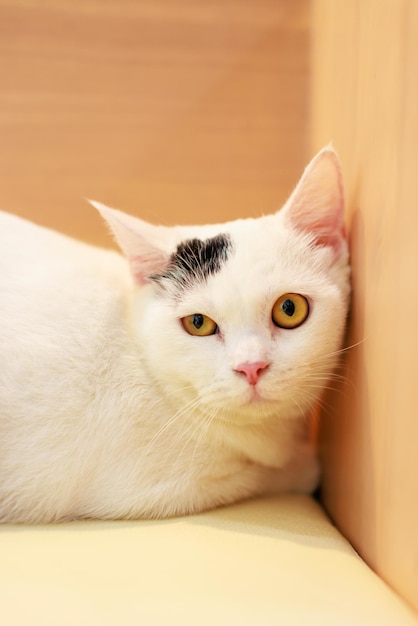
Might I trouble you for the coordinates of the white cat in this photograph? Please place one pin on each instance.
(178, 378)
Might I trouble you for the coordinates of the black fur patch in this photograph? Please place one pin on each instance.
(194, 261)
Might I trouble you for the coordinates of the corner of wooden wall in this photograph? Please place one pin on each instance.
(365, 99)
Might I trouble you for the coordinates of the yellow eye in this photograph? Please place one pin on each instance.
(199, 325)
(290, 310)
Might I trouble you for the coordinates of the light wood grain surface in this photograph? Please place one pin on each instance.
(365, 98)
(176, 110)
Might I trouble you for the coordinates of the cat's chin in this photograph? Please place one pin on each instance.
(254, 407)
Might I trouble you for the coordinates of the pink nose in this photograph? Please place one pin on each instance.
(252, 371)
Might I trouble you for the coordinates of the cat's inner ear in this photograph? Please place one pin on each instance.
(316, 206)
(147, 247)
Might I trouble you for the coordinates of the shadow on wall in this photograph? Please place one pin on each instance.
(345, 438)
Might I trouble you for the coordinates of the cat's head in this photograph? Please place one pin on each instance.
(245, 318)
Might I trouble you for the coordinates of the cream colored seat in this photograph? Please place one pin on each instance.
(272, 561)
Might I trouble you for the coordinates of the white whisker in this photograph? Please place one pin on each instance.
(339, 352)
(184, 410)
(206, 424)
(164, 396)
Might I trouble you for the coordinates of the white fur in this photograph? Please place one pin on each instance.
(109, 409)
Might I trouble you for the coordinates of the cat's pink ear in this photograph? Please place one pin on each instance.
(147, 247)
(316, 206)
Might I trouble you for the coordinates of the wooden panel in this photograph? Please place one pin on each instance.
(178, 110)
(365, 98)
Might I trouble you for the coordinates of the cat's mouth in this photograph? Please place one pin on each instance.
(251, 402)
(254, 396)
(254, 401)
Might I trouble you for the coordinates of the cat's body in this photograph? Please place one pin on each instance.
(110, 408)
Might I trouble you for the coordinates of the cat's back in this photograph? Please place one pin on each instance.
(32, 255)
(21, 239)
(15, 231)
(49, 280)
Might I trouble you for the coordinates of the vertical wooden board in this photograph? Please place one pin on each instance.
(175, 110)
(365, 97)
(403, 496)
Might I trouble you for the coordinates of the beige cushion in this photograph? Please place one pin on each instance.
(275, 561)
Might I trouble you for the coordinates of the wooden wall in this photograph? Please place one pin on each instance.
(365, 99)
(177, 110)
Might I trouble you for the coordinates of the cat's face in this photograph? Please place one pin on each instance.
(246, 319)
(257, 335)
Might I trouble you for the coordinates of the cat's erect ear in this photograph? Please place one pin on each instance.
(316, 206)
(147, 247)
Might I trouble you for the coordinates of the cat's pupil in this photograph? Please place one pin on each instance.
(288, 307)
(198, 320)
